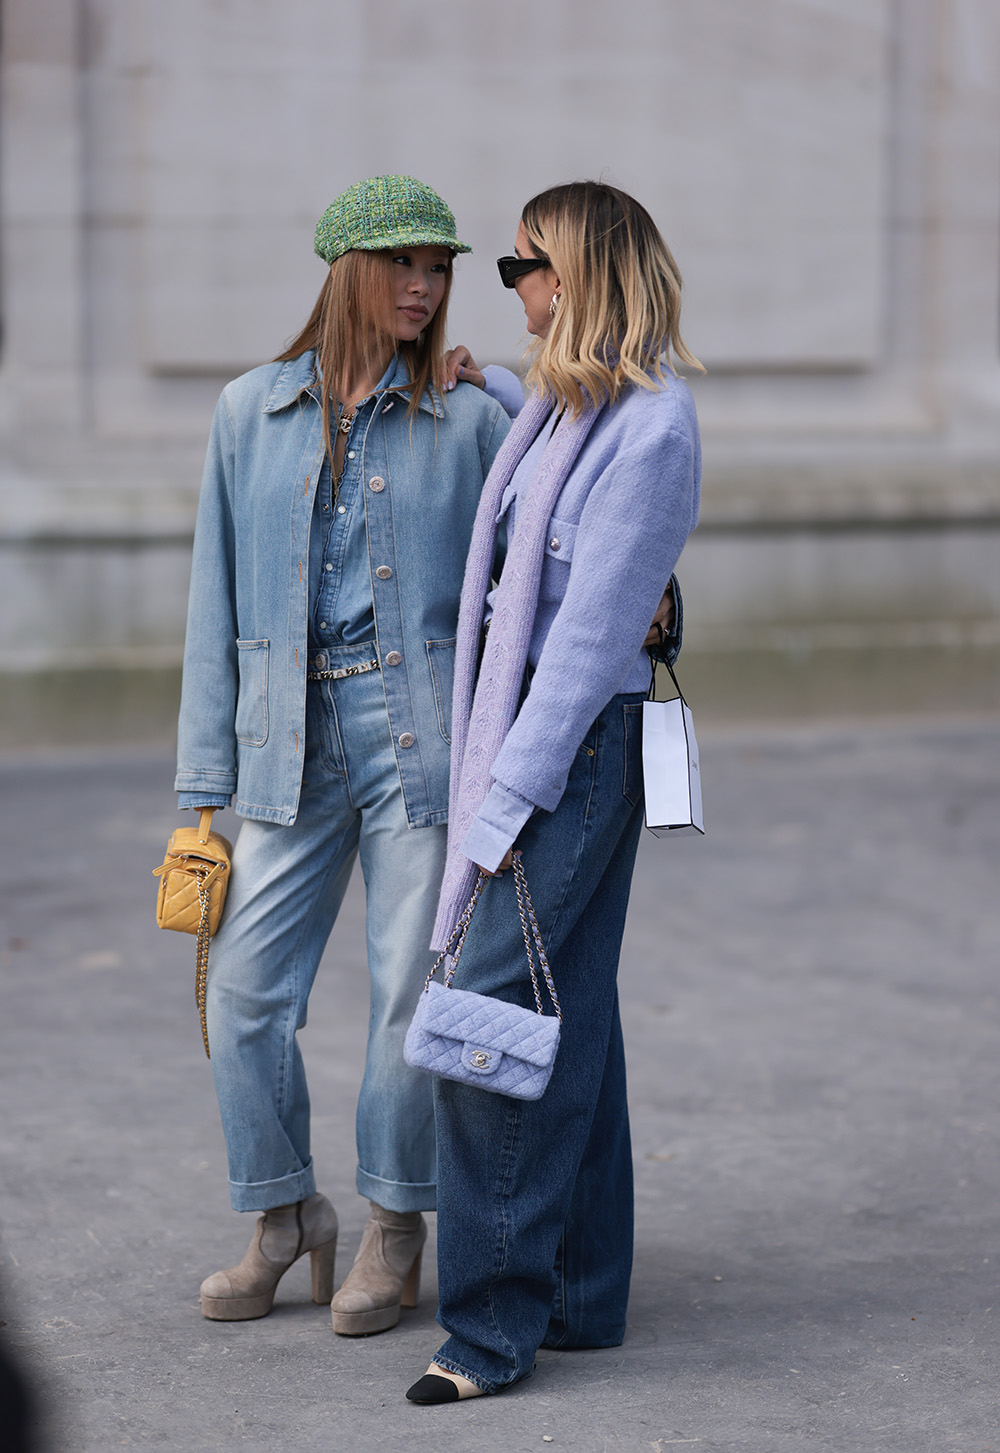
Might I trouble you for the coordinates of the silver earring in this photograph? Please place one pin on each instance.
(553, 305)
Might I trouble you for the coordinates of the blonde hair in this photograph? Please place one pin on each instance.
(618, 317)
(348, 329)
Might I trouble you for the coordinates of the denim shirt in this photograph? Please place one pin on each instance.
(242, 720)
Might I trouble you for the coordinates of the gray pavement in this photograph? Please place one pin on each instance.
(811, 1006)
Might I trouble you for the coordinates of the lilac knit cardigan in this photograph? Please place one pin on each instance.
(483, 711)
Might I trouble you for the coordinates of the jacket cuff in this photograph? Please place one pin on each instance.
(202, 799)
(495, 827)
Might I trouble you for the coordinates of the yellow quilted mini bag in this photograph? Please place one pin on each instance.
(194, 876)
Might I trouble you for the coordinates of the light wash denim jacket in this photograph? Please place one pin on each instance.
(242, 718)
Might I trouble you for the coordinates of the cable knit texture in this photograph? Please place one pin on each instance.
(484, 722)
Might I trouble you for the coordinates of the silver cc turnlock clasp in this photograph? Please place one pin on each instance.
(480, 1059)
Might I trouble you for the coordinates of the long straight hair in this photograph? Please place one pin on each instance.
(349, 330)
(618, 318)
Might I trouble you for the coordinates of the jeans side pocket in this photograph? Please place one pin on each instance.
(632, 775)
(251, 704)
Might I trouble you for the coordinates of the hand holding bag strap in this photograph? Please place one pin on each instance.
(662, 661)
(531, 934)
(205, 876)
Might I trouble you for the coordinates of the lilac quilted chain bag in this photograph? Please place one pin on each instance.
(482, 1041)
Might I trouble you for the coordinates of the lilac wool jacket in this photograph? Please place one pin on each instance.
(625, 492)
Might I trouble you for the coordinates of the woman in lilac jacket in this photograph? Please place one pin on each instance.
(596, 488)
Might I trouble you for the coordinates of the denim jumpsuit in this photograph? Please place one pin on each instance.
(286, 580)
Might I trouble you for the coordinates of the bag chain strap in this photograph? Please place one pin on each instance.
(527, 911)
(458, 933)
(523, 903)
(201, 955)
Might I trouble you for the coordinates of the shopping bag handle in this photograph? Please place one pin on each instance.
(661, 661)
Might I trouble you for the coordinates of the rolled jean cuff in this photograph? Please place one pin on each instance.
(397, 1195)
(265, 1195)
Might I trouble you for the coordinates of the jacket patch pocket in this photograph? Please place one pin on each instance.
(632, 779)
(251, 704)
(441, 657)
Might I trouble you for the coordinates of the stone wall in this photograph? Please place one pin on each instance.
(825, 170)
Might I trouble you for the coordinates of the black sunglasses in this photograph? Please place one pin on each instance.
(511, 268)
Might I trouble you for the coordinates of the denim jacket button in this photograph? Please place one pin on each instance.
(393, 658)
(384, 572)
(407, 739)
(376, 483)
(554, 543)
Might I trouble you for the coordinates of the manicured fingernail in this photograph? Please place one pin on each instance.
(449, 385)
(461, 371)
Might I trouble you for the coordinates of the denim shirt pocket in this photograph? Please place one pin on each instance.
(441, 659)
(251, 704)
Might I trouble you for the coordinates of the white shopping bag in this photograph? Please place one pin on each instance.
(670, 768)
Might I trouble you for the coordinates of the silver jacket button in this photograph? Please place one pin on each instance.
(376, 483)
(407, 739)
(384, 572)
(393, 658)
(554, 543)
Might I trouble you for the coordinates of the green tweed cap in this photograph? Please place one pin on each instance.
(385, 212)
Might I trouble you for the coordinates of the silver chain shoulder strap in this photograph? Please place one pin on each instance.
(529, 928)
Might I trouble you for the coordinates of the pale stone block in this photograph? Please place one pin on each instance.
(754, 136)
(45, 32)
(41, 142)
(751, 589)
(42, 314)
(115, 156)
(73, 606)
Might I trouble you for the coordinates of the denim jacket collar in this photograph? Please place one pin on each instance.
(300, 375)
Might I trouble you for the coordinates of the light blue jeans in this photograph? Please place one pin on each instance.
(286, 887)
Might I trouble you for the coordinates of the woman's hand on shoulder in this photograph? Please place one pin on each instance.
(460, 364)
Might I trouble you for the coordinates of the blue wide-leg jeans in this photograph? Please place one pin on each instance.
(285, 890)
(535, 1197)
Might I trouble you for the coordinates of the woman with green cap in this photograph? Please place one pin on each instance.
(337, 506)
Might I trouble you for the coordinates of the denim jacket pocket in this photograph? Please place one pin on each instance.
(251, 704)
(632, 776)
(441, 659)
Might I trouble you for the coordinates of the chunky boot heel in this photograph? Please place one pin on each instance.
(410, 1295)
(385, 1274)
(321, 1260)
(282, 1235)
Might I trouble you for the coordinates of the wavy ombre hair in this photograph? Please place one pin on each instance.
(349, 329)
(618, 318)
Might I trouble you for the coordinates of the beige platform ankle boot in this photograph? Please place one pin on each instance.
(282, 1236)
(385, 1274)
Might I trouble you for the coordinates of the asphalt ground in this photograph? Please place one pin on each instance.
(811, 1006)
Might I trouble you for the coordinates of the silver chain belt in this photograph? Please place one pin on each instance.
(342, 671)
